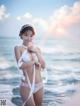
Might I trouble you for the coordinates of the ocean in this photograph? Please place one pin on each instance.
(61, 75)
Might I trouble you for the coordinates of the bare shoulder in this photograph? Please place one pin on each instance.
(17, 51)
(17, 48)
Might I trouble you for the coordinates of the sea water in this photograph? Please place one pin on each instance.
(62, 74)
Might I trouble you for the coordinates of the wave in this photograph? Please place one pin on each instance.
(4, 65)
(6, 94)
(8, 68)
(6, 75)
(74, 59)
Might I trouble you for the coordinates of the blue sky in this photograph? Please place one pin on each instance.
(57, 19)
(37, 7)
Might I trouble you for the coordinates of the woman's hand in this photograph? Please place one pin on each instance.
(38, 65)
(31, 48)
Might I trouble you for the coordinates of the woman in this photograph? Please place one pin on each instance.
(30, 62)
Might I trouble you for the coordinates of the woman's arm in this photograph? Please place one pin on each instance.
(23, 65)
(40, 58)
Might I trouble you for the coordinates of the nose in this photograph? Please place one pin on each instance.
(29, 37)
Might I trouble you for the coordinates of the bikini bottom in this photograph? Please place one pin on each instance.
(36, 87)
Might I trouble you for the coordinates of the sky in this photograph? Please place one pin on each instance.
(55, 19)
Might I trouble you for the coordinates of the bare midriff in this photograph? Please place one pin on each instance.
(30, 74)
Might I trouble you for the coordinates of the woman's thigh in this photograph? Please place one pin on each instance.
(24, 92)
(38, 97)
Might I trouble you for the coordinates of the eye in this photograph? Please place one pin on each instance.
(31, 35)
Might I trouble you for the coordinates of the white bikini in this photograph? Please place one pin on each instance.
(34, 87)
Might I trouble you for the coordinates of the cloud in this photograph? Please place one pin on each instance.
(62, 20)
(3, 14)
(61, 23)
(25, 16)
(41, 22)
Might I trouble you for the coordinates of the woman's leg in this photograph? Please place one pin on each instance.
(24, 92)
(38, 97)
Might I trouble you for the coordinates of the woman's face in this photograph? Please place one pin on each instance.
(28, 36)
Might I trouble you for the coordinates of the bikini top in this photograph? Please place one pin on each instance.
(25, 57)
